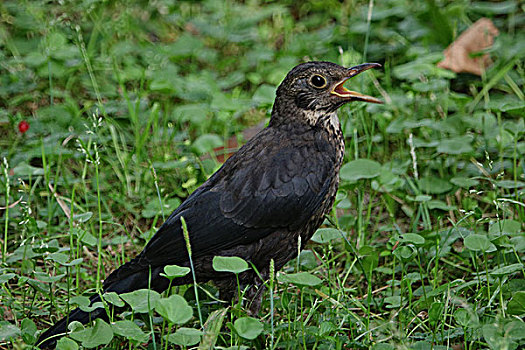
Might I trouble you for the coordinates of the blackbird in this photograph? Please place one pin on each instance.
(276, 188)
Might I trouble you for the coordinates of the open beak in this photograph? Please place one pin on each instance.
(341, 91)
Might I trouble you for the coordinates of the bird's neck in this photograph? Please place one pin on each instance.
(330, 123)
(290, 117)
(326, 124)
(288, 113)
(324, 119)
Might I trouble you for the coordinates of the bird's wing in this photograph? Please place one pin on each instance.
(281, 186)
(269, 184)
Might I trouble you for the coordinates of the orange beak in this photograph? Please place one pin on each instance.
(340, 91)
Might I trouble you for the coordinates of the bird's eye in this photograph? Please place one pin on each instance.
(318, 81)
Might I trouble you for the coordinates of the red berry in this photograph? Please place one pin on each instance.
(23, 126)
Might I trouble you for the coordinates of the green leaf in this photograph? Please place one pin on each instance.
(518, 243)
(264, 95)
(74, 262)
(300, 279)
(186, 45)
(514, 106)
(456, 145)
(57, 116)
(26, 170)
(84, 236)
(248, 327)
(412, 238)
(434, 185)
(62, 259)
(494, 8)
(223, 102)
(55, 41)
(129, 329)
(307, 259)
(414, 70)
(464, 182)
(393, 302)
(84, 217)
(229, 264)
(28, 330)
(88, 239)
(325, 235)
(174, 271)
(435, 312)
(142, 300)
(66, 344)
(505, 227)
(516, 305)
(35, 59)
(80, 301)
(193, 113)
(360, 169)
(206, 143)
(326, 328)
(345, 203)
(212, 328)
(369, 259)
(75, 326)
(422, 198)
(163, 85)
(382, 346)
(405, 253)
(6, 277)
(153, 207)
(84, 303)
(388, 181)
(507, 270)
(437, 204)
(432, 85)
(495, 340)
(100, 334)
(515, 330)
(45, 277)
(509, 184)
(113, 298)
(185, 336)
(504, 334)
(466, 318)
(479, 243)
(175, 309)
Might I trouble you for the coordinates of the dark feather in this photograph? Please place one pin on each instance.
(273, 191)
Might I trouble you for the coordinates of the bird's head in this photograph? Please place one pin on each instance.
(315, 89)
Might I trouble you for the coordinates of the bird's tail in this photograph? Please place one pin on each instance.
(114, 283)
(48, 339)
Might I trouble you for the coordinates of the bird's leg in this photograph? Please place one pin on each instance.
(251, 293)
(255, 292)
(252, 288)
(227, 292)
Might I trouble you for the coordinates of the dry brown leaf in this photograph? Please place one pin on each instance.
(12, 205)
(476, 38)
(60, 202)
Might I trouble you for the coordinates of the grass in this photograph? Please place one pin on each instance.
(128, 103)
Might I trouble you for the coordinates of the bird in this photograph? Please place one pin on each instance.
(269, 196)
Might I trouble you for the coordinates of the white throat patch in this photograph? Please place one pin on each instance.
(314, 117)
(334, 121)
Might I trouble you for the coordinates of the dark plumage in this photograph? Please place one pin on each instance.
(276, 188)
